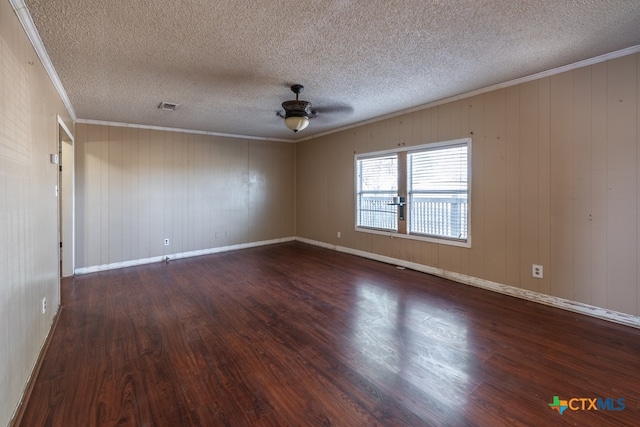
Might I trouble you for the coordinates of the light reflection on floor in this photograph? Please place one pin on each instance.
(397, 340)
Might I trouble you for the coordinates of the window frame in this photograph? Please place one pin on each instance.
(357, 192)
(403, 175)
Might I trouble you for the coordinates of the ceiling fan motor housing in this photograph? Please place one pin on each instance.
(297, 112)
(297, 108)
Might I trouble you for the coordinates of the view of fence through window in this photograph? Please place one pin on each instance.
(377, 185)
(437, 191)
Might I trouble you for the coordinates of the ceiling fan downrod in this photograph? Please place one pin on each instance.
(297, 112)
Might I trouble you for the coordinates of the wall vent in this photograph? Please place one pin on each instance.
(168, 106)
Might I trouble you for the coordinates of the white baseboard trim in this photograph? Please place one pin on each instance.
(577, 307)
(18, 411)
(574, 306)
(162, 258)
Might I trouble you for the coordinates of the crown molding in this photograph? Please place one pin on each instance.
(24, 16)
(537, 76)
(170, 129)
(20, 9)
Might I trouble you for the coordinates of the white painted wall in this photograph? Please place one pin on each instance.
(29, 107)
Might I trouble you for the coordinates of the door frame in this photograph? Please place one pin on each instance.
(67, 199)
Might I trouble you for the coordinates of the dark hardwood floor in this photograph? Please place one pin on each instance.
(297, 335)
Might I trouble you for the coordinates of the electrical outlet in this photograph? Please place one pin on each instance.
(166, 242)
(338, 234)
(536, 271)
(44, 305)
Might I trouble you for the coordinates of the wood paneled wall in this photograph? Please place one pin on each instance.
(29, 106)
(136, 187)
(555, 181)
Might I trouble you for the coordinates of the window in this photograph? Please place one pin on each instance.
(377, 184)
(429, 181)
(437, 187)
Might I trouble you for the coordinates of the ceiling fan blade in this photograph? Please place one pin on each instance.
(302, 108)
(334, 109)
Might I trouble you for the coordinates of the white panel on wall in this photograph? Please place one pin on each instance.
(622, 182)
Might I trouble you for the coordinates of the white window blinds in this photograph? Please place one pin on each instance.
(438, 192)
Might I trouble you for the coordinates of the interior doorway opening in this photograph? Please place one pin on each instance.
(66, 200)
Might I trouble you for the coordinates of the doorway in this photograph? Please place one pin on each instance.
(66, 200)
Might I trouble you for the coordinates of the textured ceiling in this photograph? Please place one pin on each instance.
(229, 64)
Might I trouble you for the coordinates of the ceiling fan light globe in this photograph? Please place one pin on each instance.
(296, 123)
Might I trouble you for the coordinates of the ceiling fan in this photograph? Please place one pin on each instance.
(297, 112)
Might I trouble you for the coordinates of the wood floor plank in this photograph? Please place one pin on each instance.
(292, 334)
